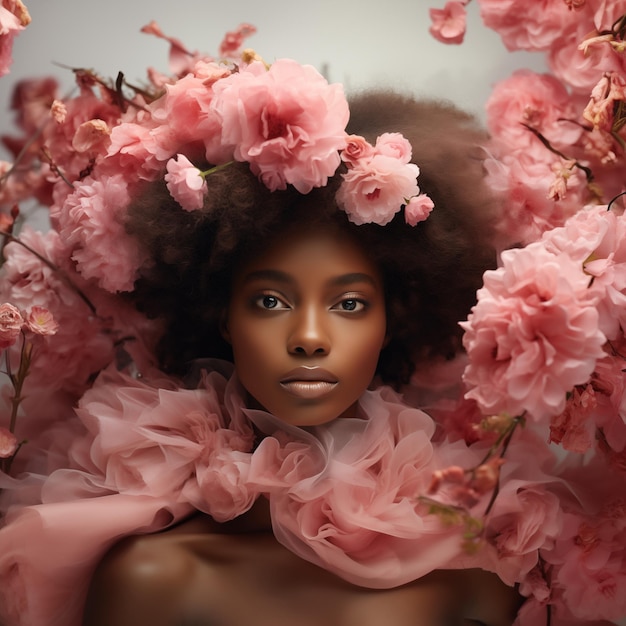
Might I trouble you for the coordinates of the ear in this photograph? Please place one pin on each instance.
(223, 326)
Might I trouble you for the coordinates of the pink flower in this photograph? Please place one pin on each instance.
(527, 25)
(40, 321)
(185, 122)
(91, 136)
(13, 18)
(287, 122)
(58, 111)
(8, 443)
(375, 189)
(536, 100)
(11, 322)
(233, 40)
(91, 223)
(533, 334)
(525, 519)
(357, 148)
(394, 145)
(185, 183)
(418, 209)
(449, 23)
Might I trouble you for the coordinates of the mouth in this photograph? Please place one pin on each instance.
(309, 383)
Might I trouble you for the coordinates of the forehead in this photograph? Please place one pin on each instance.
(314, 251)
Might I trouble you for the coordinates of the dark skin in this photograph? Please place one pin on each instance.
(315, 300)
(205, 574)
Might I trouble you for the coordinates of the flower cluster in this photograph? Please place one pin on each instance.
(27, 325)
(285, 120)
(546, 341)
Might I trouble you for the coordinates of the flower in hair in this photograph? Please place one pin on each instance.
(185, 183)
(286, 121)
(380, 180)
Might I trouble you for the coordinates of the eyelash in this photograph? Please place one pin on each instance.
(260, 301)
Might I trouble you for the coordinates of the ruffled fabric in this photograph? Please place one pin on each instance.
(143, 454)
(342, 495)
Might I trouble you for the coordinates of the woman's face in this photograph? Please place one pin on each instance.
(306, 322)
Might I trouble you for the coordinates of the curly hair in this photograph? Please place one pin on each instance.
(431, 272)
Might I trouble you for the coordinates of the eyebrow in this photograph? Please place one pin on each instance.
(284, 277)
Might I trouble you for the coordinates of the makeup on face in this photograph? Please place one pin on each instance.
(306, 322)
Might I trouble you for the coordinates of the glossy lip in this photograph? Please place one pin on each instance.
(309, 382)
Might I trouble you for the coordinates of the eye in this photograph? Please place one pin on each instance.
(269, 302)
(351, 305)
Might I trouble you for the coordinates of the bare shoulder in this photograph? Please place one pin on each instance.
(146, 579)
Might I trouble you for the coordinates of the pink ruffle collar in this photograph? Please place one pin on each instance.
(344, 496)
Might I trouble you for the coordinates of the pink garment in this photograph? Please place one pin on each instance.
(144, 454)
(341, 495)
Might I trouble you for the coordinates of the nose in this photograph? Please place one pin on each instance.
(309, 335)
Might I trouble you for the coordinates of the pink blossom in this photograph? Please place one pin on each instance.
(185, 122)
(574, 428)
(8, 443)
(82, 345)
(185, 183)
(13, 18)
(533, 334)
(40, 321)
(357, 148)
(91, 136)
(418, 209)
(375, 189)
(449, 23)
(181, 60)
(523, 179)
(606, 94)
(596, 238)
(581, 70)
(590, 564)
(91, 223)
(528, 25)
(536, 100)
(525, 519)
(394, 145)
(287, 122)
(58, 110)
(233, 40)
(11, 322)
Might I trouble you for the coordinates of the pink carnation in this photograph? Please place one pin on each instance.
(91, 223)
(11, 322)
(527, 25)
(375, 189)
(596, 238)
(449, 23)
(533, 334)
(536, 100)
(287, 122)
(185, 183)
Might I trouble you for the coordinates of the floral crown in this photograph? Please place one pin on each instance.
(285, 120)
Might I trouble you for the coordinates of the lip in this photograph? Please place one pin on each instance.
(309, 374)
(309, 383)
